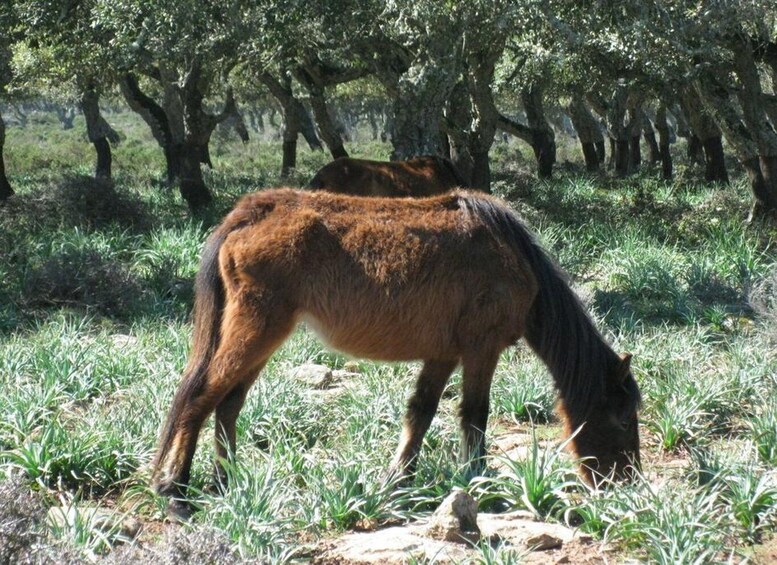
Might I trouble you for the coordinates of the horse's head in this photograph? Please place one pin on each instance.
(608, 441)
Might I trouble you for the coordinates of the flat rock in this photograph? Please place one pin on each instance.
(521, 530)
(392, 546)
(315, 376)
(536, 542)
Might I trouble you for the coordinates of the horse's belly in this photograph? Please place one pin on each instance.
(384, 340)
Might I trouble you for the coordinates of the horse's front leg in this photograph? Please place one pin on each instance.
(478, 372)
(420, 411)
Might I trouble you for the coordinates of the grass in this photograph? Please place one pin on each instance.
(94, 332)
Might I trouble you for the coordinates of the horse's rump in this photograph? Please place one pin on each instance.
(421, 176)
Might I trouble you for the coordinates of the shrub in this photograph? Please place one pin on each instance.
(83, 277)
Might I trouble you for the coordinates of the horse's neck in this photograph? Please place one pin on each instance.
(574, 351)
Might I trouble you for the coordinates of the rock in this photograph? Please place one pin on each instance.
(543, 542)
(521, 530)
(455, 520)
(392, 546)
(344, 374)
(120, 341)
(351, 367)
(111, 524)
(315, 376)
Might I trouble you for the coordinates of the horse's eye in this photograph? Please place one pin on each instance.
(625, 424)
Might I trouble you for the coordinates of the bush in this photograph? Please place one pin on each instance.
(763, 300)
(20, 514)
(84, 278)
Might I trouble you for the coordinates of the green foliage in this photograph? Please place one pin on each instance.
(85, 384)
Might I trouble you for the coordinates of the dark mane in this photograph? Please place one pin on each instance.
(559, 329)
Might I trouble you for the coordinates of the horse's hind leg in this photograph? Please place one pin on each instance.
(420, 411)
(226, 429)
(247, 341)
(477, 372)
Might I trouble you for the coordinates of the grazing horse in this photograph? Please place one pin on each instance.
(422, 176)
(450, 280)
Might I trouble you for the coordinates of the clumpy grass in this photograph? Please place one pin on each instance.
(95, 330)
(536, 483)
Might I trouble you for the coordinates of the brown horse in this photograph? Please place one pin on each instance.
(451, 280)
(422, 176)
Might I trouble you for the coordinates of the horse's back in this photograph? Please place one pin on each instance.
(380, 277)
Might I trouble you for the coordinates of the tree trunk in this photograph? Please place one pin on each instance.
(600, 152)
(744, 141)
(192, 184)
(635, 153)
(156, 119)
(634, 128)
(415, 128)
(65, 115)
(5, 187)
(622, 158)
(649, 134)
(618, 130)
(458, 120)
(326, 125)
(98, 131)
(705, 143)
(543, 139)
(588, 132)
(662, 126)
(198, 127)
(296, 120)
(714, 159)
(695, 150)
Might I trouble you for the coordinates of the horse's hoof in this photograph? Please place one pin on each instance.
(178, 511)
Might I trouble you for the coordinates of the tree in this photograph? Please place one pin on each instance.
(68, 49)
(189, 48)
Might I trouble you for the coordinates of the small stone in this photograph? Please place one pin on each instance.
(351, 367)
(121, 341)
(315, 376)
(543, 542)
(455, 520)
(343, 375)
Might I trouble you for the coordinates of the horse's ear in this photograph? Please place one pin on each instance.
(624, 367)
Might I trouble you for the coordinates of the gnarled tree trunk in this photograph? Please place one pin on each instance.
(717, 101)
(664, 133)
(618, 130)
(156, 119)
(481, 63)
(706, 140)
(543, 139)
(458, 120)
(757, 122)
(634, 127)
(198, 127)
(649, 134)
(311, 78)
(98, 131)
(418, 105)
(295, 117)
(5, 186)
(588, 132)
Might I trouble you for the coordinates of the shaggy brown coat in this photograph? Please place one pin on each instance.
(451, 280)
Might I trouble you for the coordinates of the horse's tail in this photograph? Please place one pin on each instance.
(208, 308)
